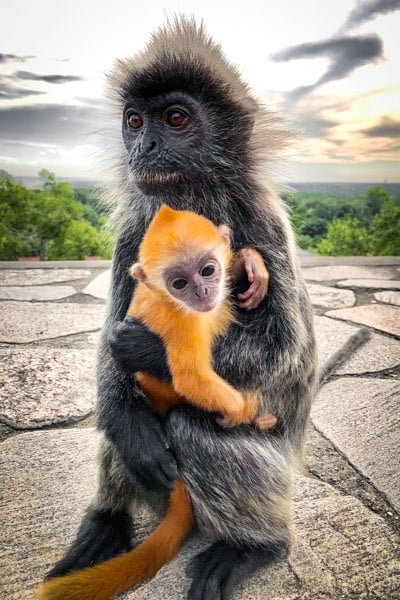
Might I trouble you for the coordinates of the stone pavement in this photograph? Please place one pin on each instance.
(346, 510)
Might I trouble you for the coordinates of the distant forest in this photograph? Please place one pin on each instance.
(57, 221)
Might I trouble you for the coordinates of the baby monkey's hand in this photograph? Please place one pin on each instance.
(249, 262)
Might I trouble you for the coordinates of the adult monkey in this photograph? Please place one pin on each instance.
(194, 139)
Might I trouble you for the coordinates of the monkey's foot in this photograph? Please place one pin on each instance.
(220, 568)
(101, 535)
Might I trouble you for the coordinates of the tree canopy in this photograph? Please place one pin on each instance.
(51, 222)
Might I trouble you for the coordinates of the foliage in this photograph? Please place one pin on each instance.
(50, 222)
(350, 225)
(60, 222)
(345, 237)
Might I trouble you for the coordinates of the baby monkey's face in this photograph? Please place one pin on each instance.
(197, 282)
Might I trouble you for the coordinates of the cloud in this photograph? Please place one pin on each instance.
(387, 127)
(27, 75)
(346, 53)
(366, 11)
(9, 92)
(50, 124)
(6, 58)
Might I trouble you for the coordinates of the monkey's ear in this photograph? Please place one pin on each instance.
(137, 272)
(225, 232)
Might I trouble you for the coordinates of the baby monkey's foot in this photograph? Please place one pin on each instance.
(265, 422)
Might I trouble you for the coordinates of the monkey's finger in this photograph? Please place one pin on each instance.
(224, 422)
(248, 293)
(250, 270)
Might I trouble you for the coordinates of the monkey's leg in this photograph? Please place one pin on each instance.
(239, 481)
(106, 528)
(220, 568)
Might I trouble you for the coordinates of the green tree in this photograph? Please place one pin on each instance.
(385, 230)
(345, 237)
(15, 210)
(77, 240)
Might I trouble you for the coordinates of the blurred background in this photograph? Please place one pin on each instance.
(331, 68)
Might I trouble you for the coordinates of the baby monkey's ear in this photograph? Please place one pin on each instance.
(225, 232)
(137, 272)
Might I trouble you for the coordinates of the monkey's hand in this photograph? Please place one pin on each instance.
(135, 348)
(249, 262)
(148, 459)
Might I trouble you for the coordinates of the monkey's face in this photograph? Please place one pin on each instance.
(165, 137)
(197, 283)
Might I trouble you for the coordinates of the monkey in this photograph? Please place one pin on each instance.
(182, 296)
(195, 138)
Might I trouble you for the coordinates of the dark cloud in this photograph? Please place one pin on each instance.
(366, 11)
(11, 92)
(6, 58)
(387, 127)
(27, 75)
(50, 124)
(346, 54)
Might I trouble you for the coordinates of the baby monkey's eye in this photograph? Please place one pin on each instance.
(208, 270)
(179, 284)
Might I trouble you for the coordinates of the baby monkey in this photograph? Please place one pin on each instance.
(182, 295)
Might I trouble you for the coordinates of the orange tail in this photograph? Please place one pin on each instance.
(118, 574)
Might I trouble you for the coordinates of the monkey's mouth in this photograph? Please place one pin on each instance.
(156, 179)
(206, 305)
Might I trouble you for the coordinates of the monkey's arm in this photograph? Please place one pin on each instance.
(189, 357)
(123, 412)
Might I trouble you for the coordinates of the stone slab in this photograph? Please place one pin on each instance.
(99, 286)
(322, 295)
(331, 336)
(341, 549)
(36, 292)
(379, 353)
(40, 276)
(370, 284)
(26, 322)
(46, 386)
(334, 272)
(379, 316)
(388, 297)
(361, 417)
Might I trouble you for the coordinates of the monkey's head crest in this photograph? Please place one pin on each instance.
(176, 233)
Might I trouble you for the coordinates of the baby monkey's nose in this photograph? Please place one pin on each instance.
(201, 291)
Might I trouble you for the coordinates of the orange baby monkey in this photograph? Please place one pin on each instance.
(182, 295)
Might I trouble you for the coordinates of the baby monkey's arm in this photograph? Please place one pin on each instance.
(249, 261)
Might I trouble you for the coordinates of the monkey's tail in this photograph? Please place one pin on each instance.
(107, 579)
(355, 342)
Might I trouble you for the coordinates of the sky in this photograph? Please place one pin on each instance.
(332, 68)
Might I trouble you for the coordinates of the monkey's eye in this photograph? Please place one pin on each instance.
(135, 121)
(176, 118)
(208, 270)
(179, 284)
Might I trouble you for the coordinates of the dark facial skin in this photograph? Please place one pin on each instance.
(196, 282)
(161, 134)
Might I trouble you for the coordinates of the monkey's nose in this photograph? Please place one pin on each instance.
(201, 291)
(150, 147)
